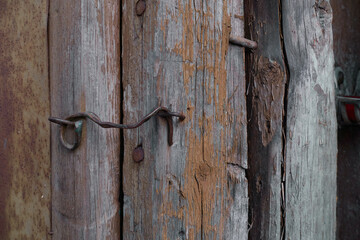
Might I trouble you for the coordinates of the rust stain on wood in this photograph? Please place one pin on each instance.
(185, 191)
(24, 131)
(205, 176)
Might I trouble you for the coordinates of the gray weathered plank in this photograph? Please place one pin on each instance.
(84, 74)
(311, 134)
(267, 82)
(25, 192)
(177, 54)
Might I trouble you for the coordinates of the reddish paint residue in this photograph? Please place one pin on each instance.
(350, 110)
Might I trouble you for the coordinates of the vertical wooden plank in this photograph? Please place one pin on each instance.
(267, 80)
(311, 135)
(177, 54)
(84, 74)
(236, 142)
(24, 131)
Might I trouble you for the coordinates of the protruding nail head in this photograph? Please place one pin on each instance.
(138, 154)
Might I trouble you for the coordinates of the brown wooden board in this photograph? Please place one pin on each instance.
(178, 55)
(24, 130)
(267, 81)
(311, 126)
(85, 76)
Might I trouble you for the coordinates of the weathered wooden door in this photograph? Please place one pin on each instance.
(177, 54)
(255, 157)
(174, 54)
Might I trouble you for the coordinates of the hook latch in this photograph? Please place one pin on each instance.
(76, 121)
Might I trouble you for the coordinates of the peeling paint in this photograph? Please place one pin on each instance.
(187, 190)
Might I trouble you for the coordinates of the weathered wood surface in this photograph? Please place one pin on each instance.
(311, 128)
(178, 55)
(267, 80)
(85, 76)
(24, 130)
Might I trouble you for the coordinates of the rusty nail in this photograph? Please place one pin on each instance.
(243, 42)
(138, 154)
(140, 7)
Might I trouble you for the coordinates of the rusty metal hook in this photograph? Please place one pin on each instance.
(76, 122)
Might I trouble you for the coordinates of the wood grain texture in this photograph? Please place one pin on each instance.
(267, 80)
(311, 134)
(24, 130)
(85, 76)
(178, 55)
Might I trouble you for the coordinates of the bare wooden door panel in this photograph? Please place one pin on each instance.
(311, 135)
(85, 76)
(178, 55)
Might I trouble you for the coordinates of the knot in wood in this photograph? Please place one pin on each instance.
(140, 7)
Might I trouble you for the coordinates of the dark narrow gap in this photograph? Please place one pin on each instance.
(248, 63)
(122, 144)
(248, 118)
(284, 127)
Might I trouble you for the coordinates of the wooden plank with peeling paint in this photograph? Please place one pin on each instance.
(178, 55)
(85, 76)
